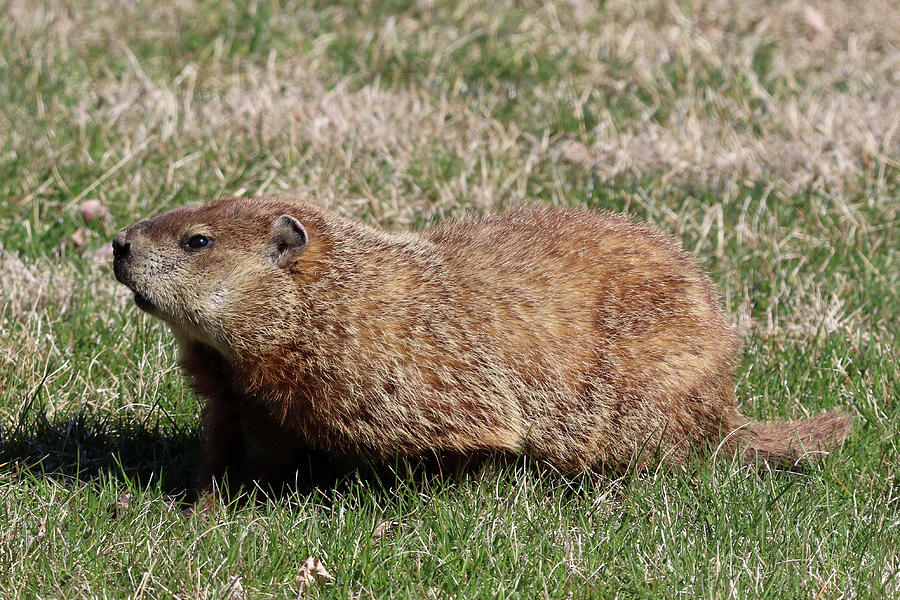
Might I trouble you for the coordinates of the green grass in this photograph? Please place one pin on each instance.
(766, 138)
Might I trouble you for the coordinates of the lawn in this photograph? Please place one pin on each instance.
(765, 136)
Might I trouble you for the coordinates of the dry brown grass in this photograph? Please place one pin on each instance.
(40, 305)
(801, 95)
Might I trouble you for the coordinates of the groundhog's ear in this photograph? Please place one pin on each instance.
(289, 238)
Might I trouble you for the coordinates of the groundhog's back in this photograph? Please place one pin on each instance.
(578, 337)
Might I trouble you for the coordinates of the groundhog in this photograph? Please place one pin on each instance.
(582, 339)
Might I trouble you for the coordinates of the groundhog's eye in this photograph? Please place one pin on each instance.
(196, 242)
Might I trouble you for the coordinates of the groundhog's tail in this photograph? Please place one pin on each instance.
(795, 442)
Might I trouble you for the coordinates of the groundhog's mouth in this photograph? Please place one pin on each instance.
(142, 303)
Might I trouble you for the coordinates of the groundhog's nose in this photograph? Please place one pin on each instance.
(121, 247)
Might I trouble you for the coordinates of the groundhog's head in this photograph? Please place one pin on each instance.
(216, 273)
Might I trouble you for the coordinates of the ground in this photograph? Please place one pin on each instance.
(765, 136)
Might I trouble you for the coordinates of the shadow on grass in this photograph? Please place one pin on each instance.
(160, 452)
(86, 446)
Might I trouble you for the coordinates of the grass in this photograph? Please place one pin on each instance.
(767, 138)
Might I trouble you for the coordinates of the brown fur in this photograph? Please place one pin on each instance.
(582, 339)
